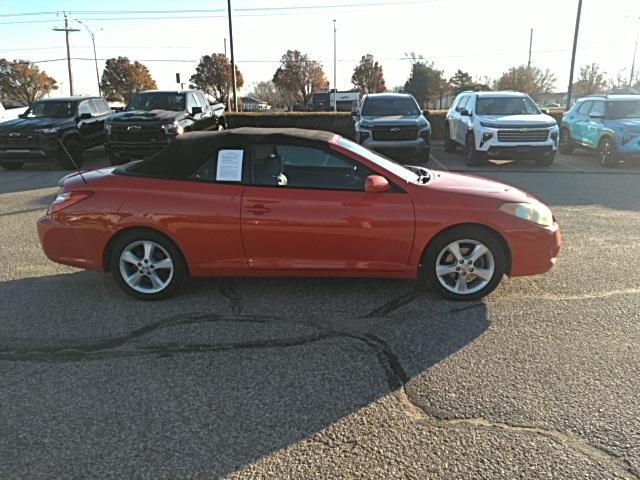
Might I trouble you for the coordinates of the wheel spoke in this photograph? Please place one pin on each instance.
(148, 250)
(483, 273)
(134, 279)
(454, 248)
(155, 280)
(478, 252)
(129, 257)
(164, 264)
(461, 284)
(442, 270)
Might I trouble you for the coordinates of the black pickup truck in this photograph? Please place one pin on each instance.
(55, 130)
(153, 118)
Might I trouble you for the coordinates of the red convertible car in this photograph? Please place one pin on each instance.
(288, 202)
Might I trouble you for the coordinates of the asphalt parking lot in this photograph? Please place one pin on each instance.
(325, 378)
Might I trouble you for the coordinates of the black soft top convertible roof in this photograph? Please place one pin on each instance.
(189, 151)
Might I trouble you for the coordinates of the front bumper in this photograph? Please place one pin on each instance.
(533, 250)
(408, 148)
(488, 141)
(134, 150)
(46, 150)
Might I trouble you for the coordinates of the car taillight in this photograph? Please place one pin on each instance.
(66, 199)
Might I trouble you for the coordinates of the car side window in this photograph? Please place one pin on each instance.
(191, 102)
(85, 107)
(293, 166)
(585, 107)
(100, 106)
(597, 109)
(208, 171)
(201, 100)
(463, 103)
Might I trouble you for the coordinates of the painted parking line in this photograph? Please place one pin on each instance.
(571, 166)
(437, 162)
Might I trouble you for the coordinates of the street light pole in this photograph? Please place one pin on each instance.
(573, 54)
(633, 62)
(95, 57)
(233, 63)
(335, 71)
(66, 30)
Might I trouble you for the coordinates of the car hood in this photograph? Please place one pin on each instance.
(509, 120)
(153, 116)
(399, 120)
(30, 124)
(631, 124)
(470, 185)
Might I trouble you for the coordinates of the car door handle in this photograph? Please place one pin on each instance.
(257, 209)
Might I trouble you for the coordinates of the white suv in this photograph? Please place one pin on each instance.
(500, 125)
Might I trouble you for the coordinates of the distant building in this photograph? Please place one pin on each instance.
(252, 104)
(324, 100)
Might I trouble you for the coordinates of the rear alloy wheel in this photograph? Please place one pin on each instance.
(472, 157)
(608, 153)
(449, 145)
(11, 165)
(464, 263)
(72, 158)
(147, 266)
(566, 144)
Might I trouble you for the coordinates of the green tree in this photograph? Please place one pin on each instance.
(299, 76)
(426, 83)
(368, 76)
(121, 79)
(213, 76)
(590, 81)
(24, 81)
(530, 80)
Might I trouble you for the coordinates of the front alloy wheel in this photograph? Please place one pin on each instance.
(608, 154)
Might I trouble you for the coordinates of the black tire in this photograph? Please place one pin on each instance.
(546, 160)
(74, 147)
(608, 153)
(174, 280)
(566, 144)
(449, 144)
(462, 233)
(472, 157)
(423, 157)
(11, 165)
(115, 161)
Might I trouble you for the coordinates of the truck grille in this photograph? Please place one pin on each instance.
(138, 133)
(523, 135)
(393, 133)
(23, 141)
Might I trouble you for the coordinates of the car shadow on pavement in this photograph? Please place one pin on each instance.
(206, 383)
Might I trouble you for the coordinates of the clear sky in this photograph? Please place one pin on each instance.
(484, 38)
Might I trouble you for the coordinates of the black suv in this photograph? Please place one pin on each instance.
(153, 118)
(54, 130)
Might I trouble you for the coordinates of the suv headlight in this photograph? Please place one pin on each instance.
(532, 212)
(174, 128)
(364, 134)
(46, 131)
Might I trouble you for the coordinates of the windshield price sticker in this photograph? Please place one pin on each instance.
(229, 166)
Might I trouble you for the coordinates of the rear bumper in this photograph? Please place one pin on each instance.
(74, 245)
(533, 250)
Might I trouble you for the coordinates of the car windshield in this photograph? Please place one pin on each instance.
(624, 109)
(157, 101)
(382, 107)
(506, 106)
(385, 163)
(49, 109)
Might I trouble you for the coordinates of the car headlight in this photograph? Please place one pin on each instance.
(532, 212)
(174, 128)
(364, 134)
(488, 125)
(46, 131)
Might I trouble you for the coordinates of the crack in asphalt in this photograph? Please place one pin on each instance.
(396, 376)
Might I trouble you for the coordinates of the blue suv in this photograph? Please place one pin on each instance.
(608, 124)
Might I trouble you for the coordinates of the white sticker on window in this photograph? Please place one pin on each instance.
(229, 166)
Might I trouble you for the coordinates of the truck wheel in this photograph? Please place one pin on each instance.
(472, 157)
(74, 156)
(11, 165)
(566, 144)
(423, 157)
(608, 153)
(449, 145)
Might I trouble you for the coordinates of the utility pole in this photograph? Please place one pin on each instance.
(66, 30)
(228, 96)
(573, 54)
(233, 63)
(633, 65)
(530, 44)
(335, 71)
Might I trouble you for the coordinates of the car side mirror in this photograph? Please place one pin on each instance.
(85, 116)
(464, 112)
(354, 113)
(196, 110)
(545, 111)
(376, 184)
(22, 115)
(426, 113)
